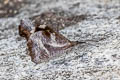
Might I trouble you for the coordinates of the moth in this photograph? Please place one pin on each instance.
(43, 38)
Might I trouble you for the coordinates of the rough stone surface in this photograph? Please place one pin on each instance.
(91, 61)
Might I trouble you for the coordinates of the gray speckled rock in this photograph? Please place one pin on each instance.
(90, 61)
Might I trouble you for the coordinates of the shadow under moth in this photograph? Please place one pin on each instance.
(42, 34)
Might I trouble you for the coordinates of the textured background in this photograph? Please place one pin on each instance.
(91, 61)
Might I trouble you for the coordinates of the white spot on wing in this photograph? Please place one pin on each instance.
(42, 26)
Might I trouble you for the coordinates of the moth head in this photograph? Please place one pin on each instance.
(26, 28)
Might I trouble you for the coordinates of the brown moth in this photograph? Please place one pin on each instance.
(43, 40)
